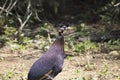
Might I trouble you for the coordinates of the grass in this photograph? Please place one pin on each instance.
(82, 67)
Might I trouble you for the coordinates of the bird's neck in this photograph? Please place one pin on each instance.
(59, 43)
(60, 40)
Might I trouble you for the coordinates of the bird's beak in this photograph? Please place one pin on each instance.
(69, 28)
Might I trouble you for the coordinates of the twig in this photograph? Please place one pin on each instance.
(49, 38)
(28, 10)
(36, 14)
(24, 21)
(12, 6)
(3, 6)
(28, 7)
(9, 5)
(22, 24)
(28, 16)
(2, 9)
(117, 4)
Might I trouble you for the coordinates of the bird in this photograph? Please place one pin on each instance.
(50, 64)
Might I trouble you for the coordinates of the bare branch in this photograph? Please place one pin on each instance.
(29, 5)
(20, 20)
(23, 21)
(37, 16)
(12, 6)
(28, 15)
(2, 9)
(117, 4)
(9, 5)
(9, 8)
(3, 6)
(23, 24)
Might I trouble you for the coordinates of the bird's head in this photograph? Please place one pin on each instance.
(62, 28)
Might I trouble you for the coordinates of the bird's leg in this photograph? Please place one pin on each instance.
(49, 77)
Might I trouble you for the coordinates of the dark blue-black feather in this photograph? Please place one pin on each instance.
(52, 60)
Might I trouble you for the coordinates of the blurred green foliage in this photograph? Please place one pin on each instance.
(10, 31)
(9, 75)
(102, 11)
(110, 46)
(84, 46)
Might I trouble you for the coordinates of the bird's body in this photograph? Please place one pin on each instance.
(50, 63)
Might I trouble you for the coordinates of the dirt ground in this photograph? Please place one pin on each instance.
(14, 65)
